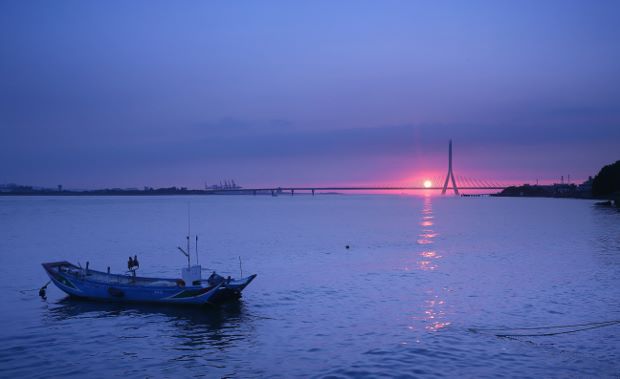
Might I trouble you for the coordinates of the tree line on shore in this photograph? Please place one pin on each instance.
(607, 181)
(605, 185)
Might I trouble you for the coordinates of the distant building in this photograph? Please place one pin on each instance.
(562, 188)
(227, 185)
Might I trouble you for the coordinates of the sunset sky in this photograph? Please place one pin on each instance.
(148, 93)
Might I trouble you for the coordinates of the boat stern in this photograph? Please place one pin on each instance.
(231, 289)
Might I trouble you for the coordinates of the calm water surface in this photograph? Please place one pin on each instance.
(420, 272)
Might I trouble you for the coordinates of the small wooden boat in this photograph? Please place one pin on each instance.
(190, 289)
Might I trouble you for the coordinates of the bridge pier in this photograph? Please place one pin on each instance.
(292, 192)
(450, 174)
(313, 192)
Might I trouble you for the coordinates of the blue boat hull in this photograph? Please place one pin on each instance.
(91, 284)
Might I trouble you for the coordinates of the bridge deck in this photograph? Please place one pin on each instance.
(289, 189)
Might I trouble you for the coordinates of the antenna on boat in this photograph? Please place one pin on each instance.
(188, 252)
(189, 224)
(196, 248)
(184, 253)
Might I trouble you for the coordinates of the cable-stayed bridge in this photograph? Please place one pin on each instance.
(450, 183)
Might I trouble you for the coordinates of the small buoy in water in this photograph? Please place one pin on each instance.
(346, 247)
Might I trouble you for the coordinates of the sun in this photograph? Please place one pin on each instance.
(428, 184)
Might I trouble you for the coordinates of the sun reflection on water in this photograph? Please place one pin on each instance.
(428, 234)
(434, 309)
(426, 237)
(429, 254)
(427, 266)
(435, 314)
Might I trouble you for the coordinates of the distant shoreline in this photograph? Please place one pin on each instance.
(96, 193)
(153, 193)
(554, 192)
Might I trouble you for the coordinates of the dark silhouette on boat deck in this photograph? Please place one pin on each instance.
(132, 265)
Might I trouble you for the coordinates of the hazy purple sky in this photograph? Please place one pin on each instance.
(132, 93)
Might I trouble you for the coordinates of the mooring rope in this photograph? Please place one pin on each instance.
(25, 292)
(512, 332)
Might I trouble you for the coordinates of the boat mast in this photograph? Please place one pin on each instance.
(187, 253)
(188, 234)
(197, 249)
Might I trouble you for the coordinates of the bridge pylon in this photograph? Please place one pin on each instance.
(450, 174)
